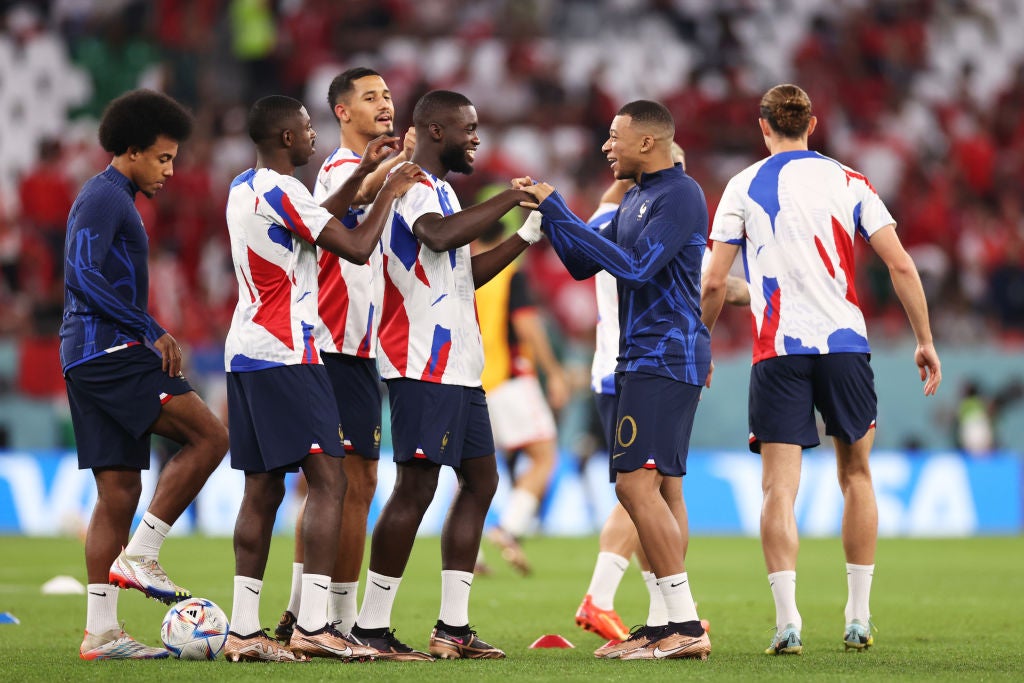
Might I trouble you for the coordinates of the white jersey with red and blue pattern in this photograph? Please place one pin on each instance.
(350, 293)
(606, 336)
(273, 222)
(429, 329)
(795, 215)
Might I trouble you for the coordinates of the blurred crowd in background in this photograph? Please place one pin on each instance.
(926, 97)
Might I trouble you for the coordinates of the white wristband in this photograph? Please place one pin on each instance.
(530, 232)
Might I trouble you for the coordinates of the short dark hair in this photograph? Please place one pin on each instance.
(138, 117)
(342, 83)
(651, 114)
(434, 103)
(269, 115)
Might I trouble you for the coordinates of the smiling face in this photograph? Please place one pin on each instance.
(367, 108)
(150, 168)
(622, 149)
(460, 140)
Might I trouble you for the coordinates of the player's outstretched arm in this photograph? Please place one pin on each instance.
(907, 283)
(339, 201)
(441, 233)
(356, 245)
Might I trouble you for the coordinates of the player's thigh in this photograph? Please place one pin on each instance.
(781, 404)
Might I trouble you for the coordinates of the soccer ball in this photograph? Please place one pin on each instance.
(195, 629)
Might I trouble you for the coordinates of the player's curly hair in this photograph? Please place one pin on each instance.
(787, 109)
(138, 117)
(269, 114)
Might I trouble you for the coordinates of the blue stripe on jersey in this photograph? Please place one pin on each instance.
(764, 188)
(846, 340)
(244, 177)
(796, 346)
(280, 235)
(241, 363)
(447, 210)
(403, 243)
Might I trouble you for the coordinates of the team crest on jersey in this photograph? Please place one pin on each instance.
(643, 209)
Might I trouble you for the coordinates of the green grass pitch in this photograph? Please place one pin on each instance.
(947, 609)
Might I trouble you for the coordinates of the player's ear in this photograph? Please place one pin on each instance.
(342, 113)
(436, 131)
(646, 143)
(287, 137)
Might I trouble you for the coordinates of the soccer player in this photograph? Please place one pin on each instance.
(124, 372)
(431, 357)
(350, 301)
(653, 246)
(280, 404)
(618, 541)
(515, 341)
(795, 215)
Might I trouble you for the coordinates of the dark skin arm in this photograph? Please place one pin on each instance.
(493, 261)
(357, 245)
(441, 233)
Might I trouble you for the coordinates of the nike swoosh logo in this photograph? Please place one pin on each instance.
(468, 583)
(320, 585)
(341, 652)
(99, 595)
(383, 588)
(151, 526)
(661, 654)
(340, 592)
(676, 585)
(252, 590)
(618, 454)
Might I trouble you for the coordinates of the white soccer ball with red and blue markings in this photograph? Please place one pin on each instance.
(195, 629)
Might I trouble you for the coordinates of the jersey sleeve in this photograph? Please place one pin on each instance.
(871, 214)
(729, 224)
(89, 243)
(292, 206)
(418, 201)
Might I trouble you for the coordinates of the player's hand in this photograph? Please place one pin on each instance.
(171, 354)
(538, 192)
(408, 144)
(929, 366)
(378, 149)
(711, 370)
(402, 178)
(520, 183)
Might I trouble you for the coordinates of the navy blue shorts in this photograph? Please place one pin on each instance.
(356, 386)
(443, 423)
(115, 399)
(653, 420)
(606, 411)
(784, 392)
(280, 415)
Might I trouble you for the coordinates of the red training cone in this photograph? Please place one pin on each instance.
(551, 640)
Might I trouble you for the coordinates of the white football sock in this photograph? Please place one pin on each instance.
(678, 599)
(378, 599)
(858, 582)
(605, 580)
(783, 585)
(101, 608)
(245, 609)
(657, 612)
(295, 598)
(342, 610)
(312, 614)
(518, 515)
(455, 587)
(148, 538)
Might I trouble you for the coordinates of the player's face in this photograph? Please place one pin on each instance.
(151, 167)
(303, 138)
(460, 140)
(368, 108)
(622, 149)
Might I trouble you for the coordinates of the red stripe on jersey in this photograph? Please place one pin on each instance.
(824, 257)
(335, 164)
(295, 220)
(393, 336)
(421, 274)
(428, 184)
(274, 311)
(333, 297)
(764, 344)
(859, 176)
(844, 245)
